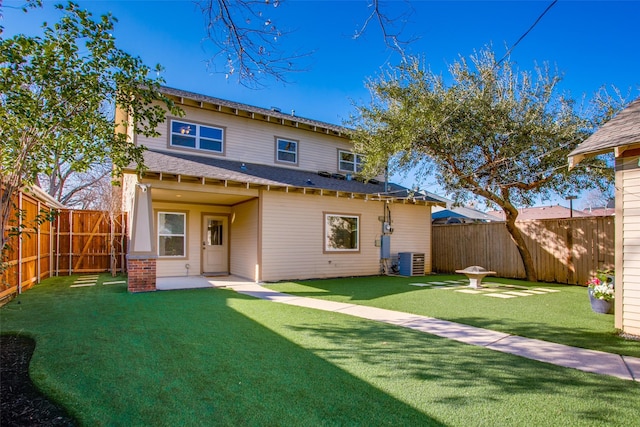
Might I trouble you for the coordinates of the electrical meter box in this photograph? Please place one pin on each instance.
(385, 247)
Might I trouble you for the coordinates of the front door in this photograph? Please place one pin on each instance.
(215, 245)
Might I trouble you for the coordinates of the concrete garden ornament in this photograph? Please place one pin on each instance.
(601, 292)
(475, 274)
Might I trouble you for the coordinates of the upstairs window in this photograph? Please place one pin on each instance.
(200, 137)
(350, 162)
(286, 151)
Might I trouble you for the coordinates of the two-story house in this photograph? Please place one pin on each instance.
(233, 189)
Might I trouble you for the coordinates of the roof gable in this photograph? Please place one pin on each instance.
(622, 130)
(257, 113)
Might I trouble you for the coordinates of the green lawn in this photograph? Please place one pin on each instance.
(215, 357)
(564, 317)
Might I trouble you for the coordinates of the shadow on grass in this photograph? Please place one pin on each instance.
(560, 313)
(575, 336)
(376, 287)
(468, 380)
(186, 358)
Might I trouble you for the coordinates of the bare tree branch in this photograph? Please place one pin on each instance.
(385, 23)
(248, 39)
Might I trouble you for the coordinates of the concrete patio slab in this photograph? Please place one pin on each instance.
(380, 314)
(319, 304)
(456, 331)
(518, 294)
(633, 363)
(500, 295)
(562, 355)
(182, 282)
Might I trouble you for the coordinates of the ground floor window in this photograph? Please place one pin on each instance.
(172, 234)
(342, 233)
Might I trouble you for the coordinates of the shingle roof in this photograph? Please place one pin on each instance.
(623, 129)
(464, 212)
(252, 109)
(542, 212)
(185, 164)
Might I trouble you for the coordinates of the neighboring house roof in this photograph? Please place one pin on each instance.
(203, 168)
(621, 131)
(41, 195)
(251, 112)
(542, 212)
(601, 211)
(462, 213)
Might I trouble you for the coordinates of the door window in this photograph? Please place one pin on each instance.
(214, 233)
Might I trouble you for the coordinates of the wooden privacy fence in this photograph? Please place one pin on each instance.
(76, 241)
(89, 242)
(564, 250)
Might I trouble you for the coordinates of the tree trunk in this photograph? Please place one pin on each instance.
(518, 239)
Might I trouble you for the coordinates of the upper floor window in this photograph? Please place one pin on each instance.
(350, 162)
(184, 134)
(286, 151)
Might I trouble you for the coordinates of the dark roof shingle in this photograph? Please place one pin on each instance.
(623, 129)
(250, 108)
(186, 164)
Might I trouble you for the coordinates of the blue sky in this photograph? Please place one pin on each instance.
(593, 43)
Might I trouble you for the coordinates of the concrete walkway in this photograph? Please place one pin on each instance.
(624, 367)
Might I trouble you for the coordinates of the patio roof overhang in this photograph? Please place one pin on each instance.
(233, 182)
(230, 192)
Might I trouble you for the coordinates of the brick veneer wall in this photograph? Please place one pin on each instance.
(142, 274)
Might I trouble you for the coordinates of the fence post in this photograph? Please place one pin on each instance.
(38, 253)
(70, 242)
(19, 243)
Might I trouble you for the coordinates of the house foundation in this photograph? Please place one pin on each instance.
(142, 274)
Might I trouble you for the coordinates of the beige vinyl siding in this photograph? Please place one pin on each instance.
(293, 239)
(628, 215)
(411, 230)
(244, 240)
(252, 141)
(166, 267)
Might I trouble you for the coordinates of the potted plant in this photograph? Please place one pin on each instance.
(601, 292)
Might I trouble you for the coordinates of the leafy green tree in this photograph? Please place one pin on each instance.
(58, 95)
(488, 130)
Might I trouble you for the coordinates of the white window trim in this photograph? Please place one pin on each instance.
(328, 249)
(184, 235)
(278, 151)
(197, 136)
(355, 162)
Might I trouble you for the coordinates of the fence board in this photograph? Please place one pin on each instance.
(564, 251)
(75, 242)
(89, 242)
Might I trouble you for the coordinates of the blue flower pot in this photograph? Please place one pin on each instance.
(600, 305)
